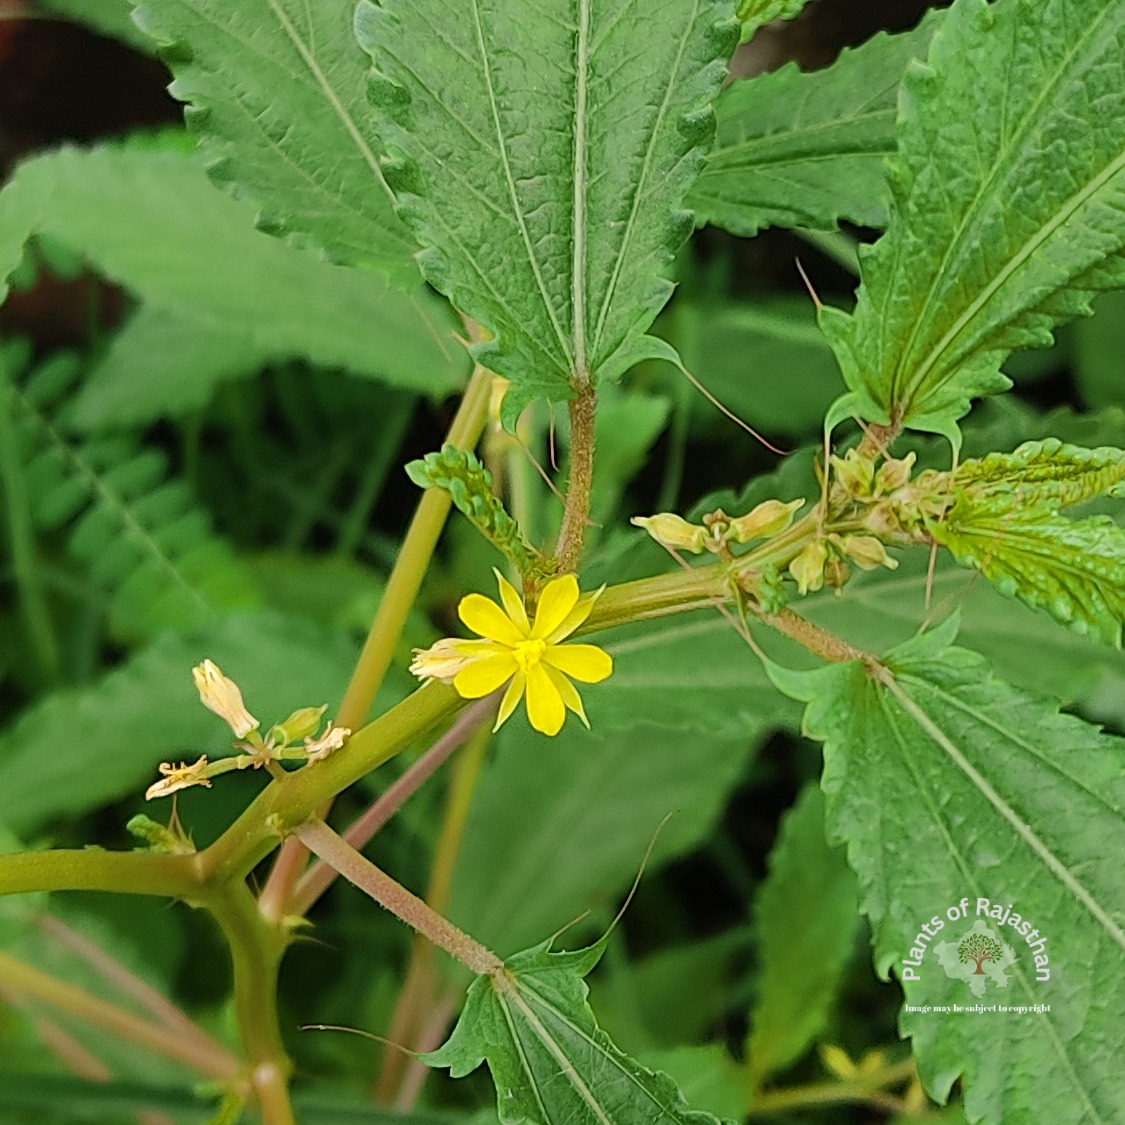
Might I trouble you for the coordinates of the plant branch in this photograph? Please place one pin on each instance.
(869, 1089)
(416, 995)
(582, 410)
(382, 639)
(23, 978)
(159, 1007)
(405, 905)
(320, 876)
(256, 950)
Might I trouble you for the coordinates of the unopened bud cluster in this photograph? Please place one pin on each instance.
(718, 530)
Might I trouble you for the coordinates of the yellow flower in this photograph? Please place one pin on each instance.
(524, 654)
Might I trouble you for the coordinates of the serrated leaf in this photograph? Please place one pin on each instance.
(754, 13)
(543, 158)
(1074, 569)
(946, 783)
(1007, 216)
(550, 1062)
(807, 915)
(276, 88)
(1039, 475)
(81, 747)
(1004, 522)
(796, 149)
(147, 218)
(583, 818)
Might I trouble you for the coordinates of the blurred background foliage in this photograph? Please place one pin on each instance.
(200, 455)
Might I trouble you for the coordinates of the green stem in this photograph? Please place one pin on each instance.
(138, 873)
(333, 849)
(382, 639)
(320, 876)
(284, 805)
(77, 1002)
(21, 535)
(413, 560)
(256, 951)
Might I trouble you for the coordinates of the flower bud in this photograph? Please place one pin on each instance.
(221, 695)
(768, 518)
(305, 721)
(808, 567)
(853, 473)
(867, 552)
(442, 660)
(673, 531)
(893, 475)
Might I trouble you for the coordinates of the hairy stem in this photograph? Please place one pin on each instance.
(333, 849)
(582, 411)
(415, 998)
(321, 875)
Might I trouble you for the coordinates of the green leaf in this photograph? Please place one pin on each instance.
(164, 364)
(754, 13)
(276, 88)
(1004, 522)
(550, 1061)
(947, 784)
(554, 825)
(108, 17)
(1074, 569)
(82, 747)
(1039, 476)
(139, 533)
(147, 218)
(542, 161)
(1006, 218)
(807, 150)
(807, 917)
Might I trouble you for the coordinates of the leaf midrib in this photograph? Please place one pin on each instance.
(969, 876)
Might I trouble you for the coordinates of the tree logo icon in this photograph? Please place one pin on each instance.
(978, 948)
(978, 957)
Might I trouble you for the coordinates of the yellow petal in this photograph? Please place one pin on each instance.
(585, 663)
(544, 704)
(558, 598)
(511, 697)
(513, 603)
(574, 618)
(570, 696)
(483, 677)
(485, 617)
